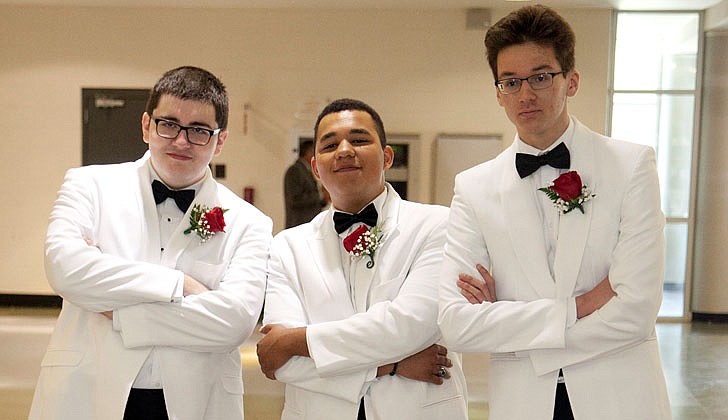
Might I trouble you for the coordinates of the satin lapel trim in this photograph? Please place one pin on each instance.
(365, 276)
(178, 242)
(525, 228)
(149, 223)
(574, 226)
(326, 254)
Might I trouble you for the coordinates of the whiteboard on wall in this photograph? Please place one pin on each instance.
(455, 153)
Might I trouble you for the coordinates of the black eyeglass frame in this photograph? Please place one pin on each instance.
(184, 128)
(501, 88)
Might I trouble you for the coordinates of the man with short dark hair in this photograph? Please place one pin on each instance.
(351, 304)
(554, 258)
(300, 189)
(161, 270)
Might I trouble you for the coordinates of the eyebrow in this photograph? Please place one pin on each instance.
(536, 70)
(352, 131)
(192, 124)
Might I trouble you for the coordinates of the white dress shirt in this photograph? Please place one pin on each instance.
(544, 177)
(170, 216)
(351, 265)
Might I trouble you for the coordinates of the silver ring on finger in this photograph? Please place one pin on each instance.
(442, 372)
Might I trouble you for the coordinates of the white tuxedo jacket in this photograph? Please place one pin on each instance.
(610, 359)
(89, 367)
(307, 287)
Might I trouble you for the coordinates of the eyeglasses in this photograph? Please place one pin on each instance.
(196, 135)
(537, 82)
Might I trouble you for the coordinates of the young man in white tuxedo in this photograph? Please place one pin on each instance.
(161, 270)
(351, 305)
(554, 257)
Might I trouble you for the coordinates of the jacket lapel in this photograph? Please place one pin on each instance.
(207, 196)
(149, 222)
(574, 226)
(524, 226)
(388, 221)
(326, 254)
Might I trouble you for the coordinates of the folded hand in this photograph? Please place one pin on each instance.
(477, 291)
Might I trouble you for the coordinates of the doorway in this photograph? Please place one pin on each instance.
(112, 125)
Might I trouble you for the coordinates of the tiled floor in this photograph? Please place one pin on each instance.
(695, 358)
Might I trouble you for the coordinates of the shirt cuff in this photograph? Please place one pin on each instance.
(570, 312)
(371, 377)
(115, 321)
(177, 293)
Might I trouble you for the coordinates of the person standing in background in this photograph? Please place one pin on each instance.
(300, 189)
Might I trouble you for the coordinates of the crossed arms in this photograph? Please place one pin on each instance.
(106, 276)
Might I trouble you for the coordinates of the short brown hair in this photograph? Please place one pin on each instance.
(192, 83)
(539, 24)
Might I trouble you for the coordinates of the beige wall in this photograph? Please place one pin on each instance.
(422, 70)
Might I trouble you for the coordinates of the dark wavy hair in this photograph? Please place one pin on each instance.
(346, 104)
(192, 83)
(539, 24)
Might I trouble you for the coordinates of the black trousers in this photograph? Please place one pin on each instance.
(562, 406)
(361, 415)
(145, 404)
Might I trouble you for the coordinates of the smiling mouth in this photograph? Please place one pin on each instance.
(346, 169)
(178, 156)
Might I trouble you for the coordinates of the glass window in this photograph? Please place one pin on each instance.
(653, 103)
(664, 122)
(676, 246)
(656, 51)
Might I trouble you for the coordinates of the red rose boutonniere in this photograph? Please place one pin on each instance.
(364, 241)
(206, 222)
(568, 193)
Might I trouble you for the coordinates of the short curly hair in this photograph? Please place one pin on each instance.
(346, 104)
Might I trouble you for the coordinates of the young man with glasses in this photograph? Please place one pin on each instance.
(554, 258)
(161, 269)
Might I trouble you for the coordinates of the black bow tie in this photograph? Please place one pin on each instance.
(558, 158)
(183, 198)
(343, 221)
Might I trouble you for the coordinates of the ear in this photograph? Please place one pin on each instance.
(573, 83)
(221, 138)
(314, 169)
(388, 157)
(146, 121)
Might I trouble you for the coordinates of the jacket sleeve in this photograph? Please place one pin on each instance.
(635, 273)
(214, 321)
(503, 326)
(635, 269)
(389, 331)
(284, 306)
(81, 273)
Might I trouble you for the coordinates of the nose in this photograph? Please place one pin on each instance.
(526, 93)
(182, 135)
(345, 149)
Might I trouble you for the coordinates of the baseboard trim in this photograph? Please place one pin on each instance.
(38, 301)
(700, 316)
